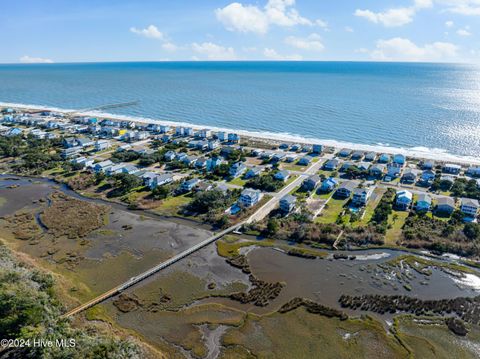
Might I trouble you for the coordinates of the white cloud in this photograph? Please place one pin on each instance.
(462, 7)
(251, 18)
(272, 54)
(349, 29)
(321, 23)
(170, 47)
(394, 17)
(401, 49)
(213, 51)
(150, 32)
(449, 23)
(310, 43)
(35, 60)
(463, 32)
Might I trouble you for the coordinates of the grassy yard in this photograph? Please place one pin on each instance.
(171, 205)
(331, 211)
(393, 234)
(372, 204)
(238, 181)
(293, 167)
(322, 195)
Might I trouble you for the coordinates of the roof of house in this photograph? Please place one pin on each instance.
(405, 194)
(349, 185)
(288, 198)
(445, 201)
(424, 197)
(470, 202)
(250, 192)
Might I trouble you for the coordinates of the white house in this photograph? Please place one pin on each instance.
(101, 145)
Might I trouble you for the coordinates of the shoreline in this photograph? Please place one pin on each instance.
(418, 152)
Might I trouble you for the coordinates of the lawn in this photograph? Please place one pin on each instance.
(394, 233)
(331, 211)
(372, 204)
(238, 181)
(171, 205)
(293, 167)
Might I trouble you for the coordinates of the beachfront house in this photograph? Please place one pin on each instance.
(469, 207)
(101, 145)
(296, 147)
(370, 156)
(445, 204)
(474, 171)
(357, 155)
(361, 196)
(451, 168)
(287, 203)
(345, 189)
(307, 148)
(249, 197)
(428, 165)
(317, 149)
(204, 133)
(344, 152)
(282, 175)
(305, 161)
(254, 172)
(233, 138)
(310, 183)
(179, 131)
(403, 199)
(237, 169)
(424, 202)
(331, 165)
(399, 159)
(328, 185)
(222, 136)
(384, 158)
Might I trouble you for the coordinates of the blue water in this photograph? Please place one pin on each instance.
(398, 104)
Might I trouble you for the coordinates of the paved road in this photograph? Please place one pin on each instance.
(134, 280)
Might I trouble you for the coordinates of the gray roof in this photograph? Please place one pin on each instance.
(289, 198)
(350, 185)
(424, 197)
(470, 202)
(444, 200)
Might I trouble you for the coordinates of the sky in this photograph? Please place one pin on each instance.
(57, 31)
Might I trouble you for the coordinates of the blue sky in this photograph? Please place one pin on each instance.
(158, 30)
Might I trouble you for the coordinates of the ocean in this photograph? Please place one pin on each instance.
(418, 108)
